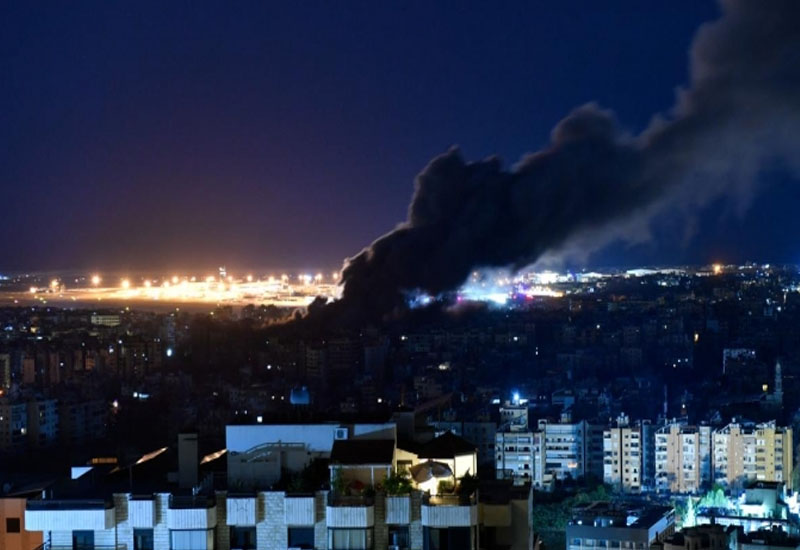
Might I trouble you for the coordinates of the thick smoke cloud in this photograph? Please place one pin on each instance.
(742, 109)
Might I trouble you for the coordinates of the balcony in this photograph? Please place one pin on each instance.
(299, 510)
(350, 511)
(398, 510)
(450, 510)
(241, 510)
(191, 512)
(68, 515)
(142, 511)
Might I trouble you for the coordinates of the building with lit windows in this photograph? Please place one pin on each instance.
(352, 512)
(682, 458)
(623, 454)
(564, 447)
(519, 457)
(754, 452)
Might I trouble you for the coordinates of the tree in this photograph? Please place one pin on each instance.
(715, 498)
(397, 483)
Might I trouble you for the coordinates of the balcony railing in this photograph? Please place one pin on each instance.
(242, 494)
(48, 546)
(450, 500)
(46, 505)
(185, 502)
(350, 500)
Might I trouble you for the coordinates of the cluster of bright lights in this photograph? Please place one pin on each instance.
(501, 287)
(285, 289)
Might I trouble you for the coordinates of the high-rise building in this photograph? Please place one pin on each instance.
(564, 451)
(745, 453)
(555, 451)
(683, 458)
(622, 447)
(518, 449)
(520, 457)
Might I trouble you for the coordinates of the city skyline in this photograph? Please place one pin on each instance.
(400, 275)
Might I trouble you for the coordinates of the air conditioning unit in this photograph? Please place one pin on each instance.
(340, 433)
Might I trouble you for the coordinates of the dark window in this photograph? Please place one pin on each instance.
(398, 536)
(142, 539)
(453, 538)
(243, 538)
(301, 537)
(83, 540)
(12, 525)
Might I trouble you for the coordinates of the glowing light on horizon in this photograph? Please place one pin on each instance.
(194, 290)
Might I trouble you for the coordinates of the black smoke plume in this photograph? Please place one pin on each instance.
(741, 109)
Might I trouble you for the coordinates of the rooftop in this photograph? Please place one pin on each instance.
(613, 514)
(447, 445)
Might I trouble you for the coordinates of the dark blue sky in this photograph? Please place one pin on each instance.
(190, 134)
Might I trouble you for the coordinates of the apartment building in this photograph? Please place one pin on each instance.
(683, 458)
(564, 448)
(355, 513)
(272, 520)
(747, 453)
(623, 456)
(554, 451)
(520, 458)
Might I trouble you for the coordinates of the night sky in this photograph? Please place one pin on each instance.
(179, 135)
